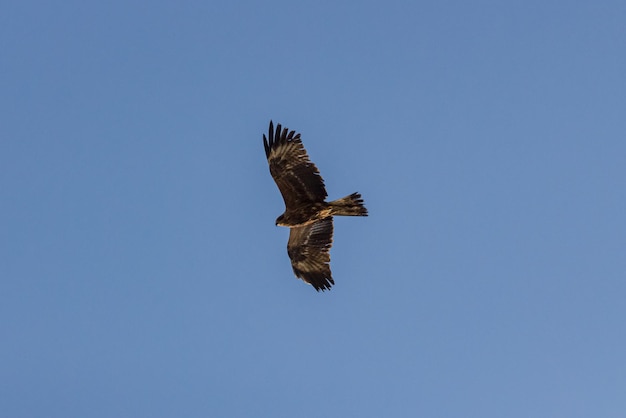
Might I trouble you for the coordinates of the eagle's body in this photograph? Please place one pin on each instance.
(304, 215)
(307, 214)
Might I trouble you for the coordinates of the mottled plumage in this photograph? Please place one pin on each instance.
(307, 214)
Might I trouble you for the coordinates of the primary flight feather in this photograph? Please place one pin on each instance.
(307, 214)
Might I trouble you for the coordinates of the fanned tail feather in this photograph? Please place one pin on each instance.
(351, 205)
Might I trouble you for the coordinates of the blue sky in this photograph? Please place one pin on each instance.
(141, 273)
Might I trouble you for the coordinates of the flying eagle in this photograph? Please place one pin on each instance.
(308, 216)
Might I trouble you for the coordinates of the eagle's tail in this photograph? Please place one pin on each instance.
(348, 206)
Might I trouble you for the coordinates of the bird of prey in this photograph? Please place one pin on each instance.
(308, 216)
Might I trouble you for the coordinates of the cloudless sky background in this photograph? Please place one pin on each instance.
(141, 273)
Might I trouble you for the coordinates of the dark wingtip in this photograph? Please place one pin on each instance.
(277, 133)
(275, 137)
(268, 144)
(318, 279)
(322, 288)
(271, 133)
(322, 283)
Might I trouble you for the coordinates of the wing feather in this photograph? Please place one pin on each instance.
(297, 178)
(309, 251)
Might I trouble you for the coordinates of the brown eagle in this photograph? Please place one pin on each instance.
(307, 214)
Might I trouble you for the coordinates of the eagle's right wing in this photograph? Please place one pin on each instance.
(296, 176)
(309, 251)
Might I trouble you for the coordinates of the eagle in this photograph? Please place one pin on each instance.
(307, 214)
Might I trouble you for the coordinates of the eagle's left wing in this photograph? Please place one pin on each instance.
(297, 178)
(308, 249)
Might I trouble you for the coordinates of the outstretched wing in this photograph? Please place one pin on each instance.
(296, 176)
(308, 249)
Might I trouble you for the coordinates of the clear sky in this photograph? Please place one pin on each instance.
(142, 275)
